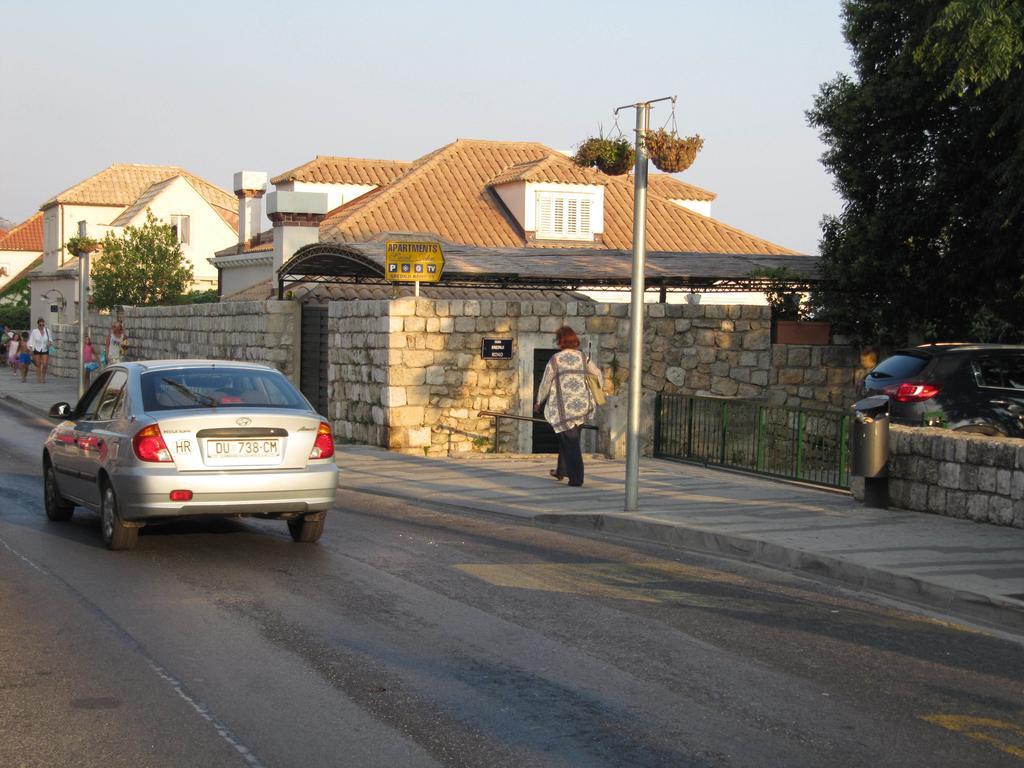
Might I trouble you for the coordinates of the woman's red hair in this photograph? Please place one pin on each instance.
(567, 338)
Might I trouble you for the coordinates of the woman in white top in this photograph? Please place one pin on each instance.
(39, 342)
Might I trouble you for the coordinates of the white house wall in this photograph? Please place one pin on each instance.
(703, 207)
(521, 200)
(12, 263)
(60, 223)
(54, 291)
(337, 194)
(208, 232)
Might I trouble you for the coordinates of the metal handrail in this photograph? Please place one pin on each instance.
(808, 445)
(499, 415)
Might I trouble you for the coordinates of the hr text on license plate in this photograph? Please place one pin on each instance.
(241, 449)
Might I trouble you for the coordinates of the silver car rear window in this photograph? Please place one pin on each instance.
(216, 387)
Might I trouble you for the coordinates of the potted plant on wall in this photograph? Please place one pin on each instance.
(791, 323)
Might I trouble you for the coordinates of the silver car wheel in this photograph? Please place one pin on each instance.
(116, 535)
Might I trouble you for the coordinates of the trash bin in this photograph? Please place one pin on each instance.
(869, 448)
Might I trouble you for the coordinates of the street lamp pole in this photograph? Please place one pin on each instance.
(636, 328)
(83, 301)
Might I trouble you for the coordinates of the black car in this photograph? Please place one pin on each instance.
(968, 387)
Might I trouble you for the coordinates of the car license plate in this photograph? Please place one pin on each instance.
(243, 449)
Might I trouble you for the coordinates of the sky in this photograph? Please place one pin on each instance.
(217, 87)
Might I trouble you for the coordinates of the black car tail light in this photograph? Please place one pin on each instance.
(912, 392)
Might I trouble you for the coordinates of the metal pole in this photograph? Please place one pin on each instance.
(636, 328)
(83, 300)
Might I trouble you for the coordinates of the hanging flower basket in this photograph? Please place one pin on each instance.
(672, 153)
(611, 156)
(80, 244)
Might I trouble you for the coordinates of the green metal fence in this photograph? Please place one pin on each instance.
(810, 446)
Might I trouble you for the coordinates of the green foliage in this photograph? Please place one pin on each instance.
(78, 244)
(13, 316)
(784, 300)
(17, 294)
(144, 267)
(984, 39)
(199, 297)
(926, 144)
(612, 156)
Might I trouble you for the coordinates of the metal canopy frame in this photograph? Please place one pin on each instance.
(467, 267)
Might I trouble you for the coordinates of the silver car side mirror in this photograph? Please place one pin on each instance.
(60, 411)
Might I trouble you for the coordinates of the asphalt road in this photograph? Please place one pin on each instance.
(417, 636)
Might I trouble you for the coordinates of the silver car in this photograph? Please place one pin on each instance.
(158, 440)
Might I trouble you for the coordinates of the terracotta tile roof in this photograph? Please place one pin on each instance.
(671, 188)
(553, 168)
(121, 185)
(447, 193)
(325, 169)
(27, 236)
(224, 204)
(264, 241)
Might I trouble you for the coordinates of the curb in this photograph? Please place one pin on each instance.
(1001, 614)
(15, 402)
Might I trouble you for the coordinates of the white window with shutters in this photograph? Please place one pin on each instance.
(562, 216)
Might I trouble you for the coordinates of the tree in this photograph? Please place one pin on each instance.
(926, 144)
(143, 267)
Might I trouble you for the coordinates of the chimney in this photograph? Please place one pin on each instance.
(296, 217)
(250, 187)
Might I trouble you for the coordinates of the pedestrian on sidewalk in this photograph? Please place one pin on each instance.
(40, 342)
(567, 402)
(116, 344)
(24, 356)
(89, 363)
(12, 352)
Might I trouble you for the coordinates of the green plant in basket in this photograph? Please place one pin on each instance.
(611, 156)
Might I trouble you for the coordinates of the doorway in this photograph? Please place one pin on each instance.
(544, 438)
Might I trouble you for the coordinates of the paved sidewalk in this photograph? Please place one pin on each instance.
(966, 569)
(36, 397)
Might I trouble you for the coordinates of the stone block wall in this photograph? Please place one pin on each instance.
(64, 363)
(251, 331)
(956, 474)
(407, 374)
(358, 369)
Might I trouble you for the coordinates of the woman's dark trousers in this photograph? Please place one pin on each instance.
(570, 459)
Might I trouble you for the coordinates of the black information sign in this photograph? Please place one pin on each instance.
(496, 349)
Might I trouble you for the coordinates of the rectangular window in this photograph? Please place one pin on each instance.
(180, 224)
(1000, 372)
(563, 216)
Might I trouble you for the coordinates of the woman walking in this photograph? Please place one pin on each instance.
(39, 342)
(567, 401)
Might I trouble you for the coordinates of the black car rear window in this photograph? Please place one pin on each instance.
(175, 389)
(1002, 371)
(900, 366)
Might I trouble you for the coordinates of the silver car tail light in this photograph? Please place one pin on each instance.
(323, 445)
(149, 445)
